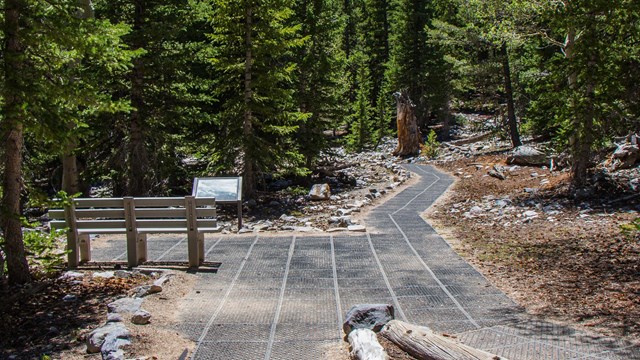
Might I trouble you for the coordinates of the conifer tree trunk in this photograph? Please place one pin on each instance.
(12, 135)
(249, 176)
(409, 137)
(511, 109)
(138, 161)
(580, 139)
(70, 181)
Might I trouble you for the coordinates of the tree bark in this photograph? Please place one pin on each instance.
(580, 139)
(511, 109)
(12, 135)
(249, 176)
(409, 137)
(423, 343)
(138, 160)
(70, 182)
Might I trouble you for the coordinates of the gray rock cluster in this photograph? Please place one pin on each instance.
(329, 206)
(110, 338)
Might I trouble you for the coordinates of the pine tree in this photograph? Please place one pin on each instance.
(416, 65)
(48, 86)
(361, 120)
(320, 65)
(252, 44)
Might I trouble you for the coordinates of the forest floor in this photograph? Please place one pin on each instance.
(571, 259)
(565, 259)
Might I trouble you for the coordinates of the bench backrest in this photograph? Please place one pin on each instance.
(147, 213)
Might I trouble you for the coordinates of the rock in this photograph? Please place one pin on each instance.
(625, 156)
(72, 275)
(320, 192)
(336, 229)
(356, 228)
(368, 316)
(97, 337)
(104, 274)
(251, 203)
(125, 305)
(70, 298)
(113, 342)
(122, 274)
(163, 279)
(530, 214)
(144, 290)
(141, 317)
(527, 156)
(288, 218)
(497, 175)
(344, 212)
(114, 317)
(244, 230)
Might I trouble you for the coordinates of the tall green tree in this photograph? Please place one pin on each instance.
(319, 69)
(586, 88)
(416, 65)
(361, 118)
(252, 48)
(47, 85)
(169, 90)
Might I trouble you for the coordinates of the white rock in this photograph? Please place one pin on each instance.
(357, 228)
(104, 274)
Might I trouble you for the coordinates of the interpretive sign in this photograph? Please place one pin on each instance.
(226, 190)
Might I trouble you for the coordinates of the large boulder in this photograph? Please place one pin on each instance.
(625, 156)
(320, 192)
(527, 156)
(112, 330)
(368, 316)
(125, 305)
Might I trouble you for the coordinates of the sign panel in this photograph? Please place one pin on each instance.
(224, 189)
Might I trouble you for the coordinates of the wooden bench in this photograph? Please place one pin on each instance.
(135, 217)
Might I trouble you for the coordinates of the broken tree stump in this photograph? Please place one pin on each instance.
(365, 345)
(423, 343)
(409, 137)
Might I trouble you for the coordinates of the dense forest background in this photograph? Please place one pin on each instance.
(143, 95)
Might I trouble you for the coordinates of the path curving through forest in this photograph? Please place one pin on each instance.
(283, 296)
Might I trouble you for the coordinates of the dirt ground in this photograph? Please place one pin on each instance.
(567, 260)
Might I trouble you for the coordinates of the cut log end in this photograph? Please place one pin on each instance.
(423, 343)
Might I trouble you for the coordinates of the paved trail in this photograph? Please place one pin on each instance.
(284, 297)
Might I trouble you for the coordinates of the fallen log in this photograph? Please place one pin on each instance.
(365, 345)
(422, 343)
(471, 139)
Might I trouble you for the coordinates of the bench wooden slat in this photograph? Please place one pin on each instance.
(140, 213)
(139, 202)
(151, 213)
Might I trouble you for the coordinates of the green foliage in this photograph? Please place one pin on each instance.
(258, 117)
(44, 250)
(361, 120)
(320, 64)
(632, 229)
(431, 147)
(416, 64)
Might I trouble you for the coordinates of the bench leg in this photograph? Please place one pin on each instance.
(192, 248)
(201, 248)
(142, 248)
(72, 248)
(85, 247)
(132, 249)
